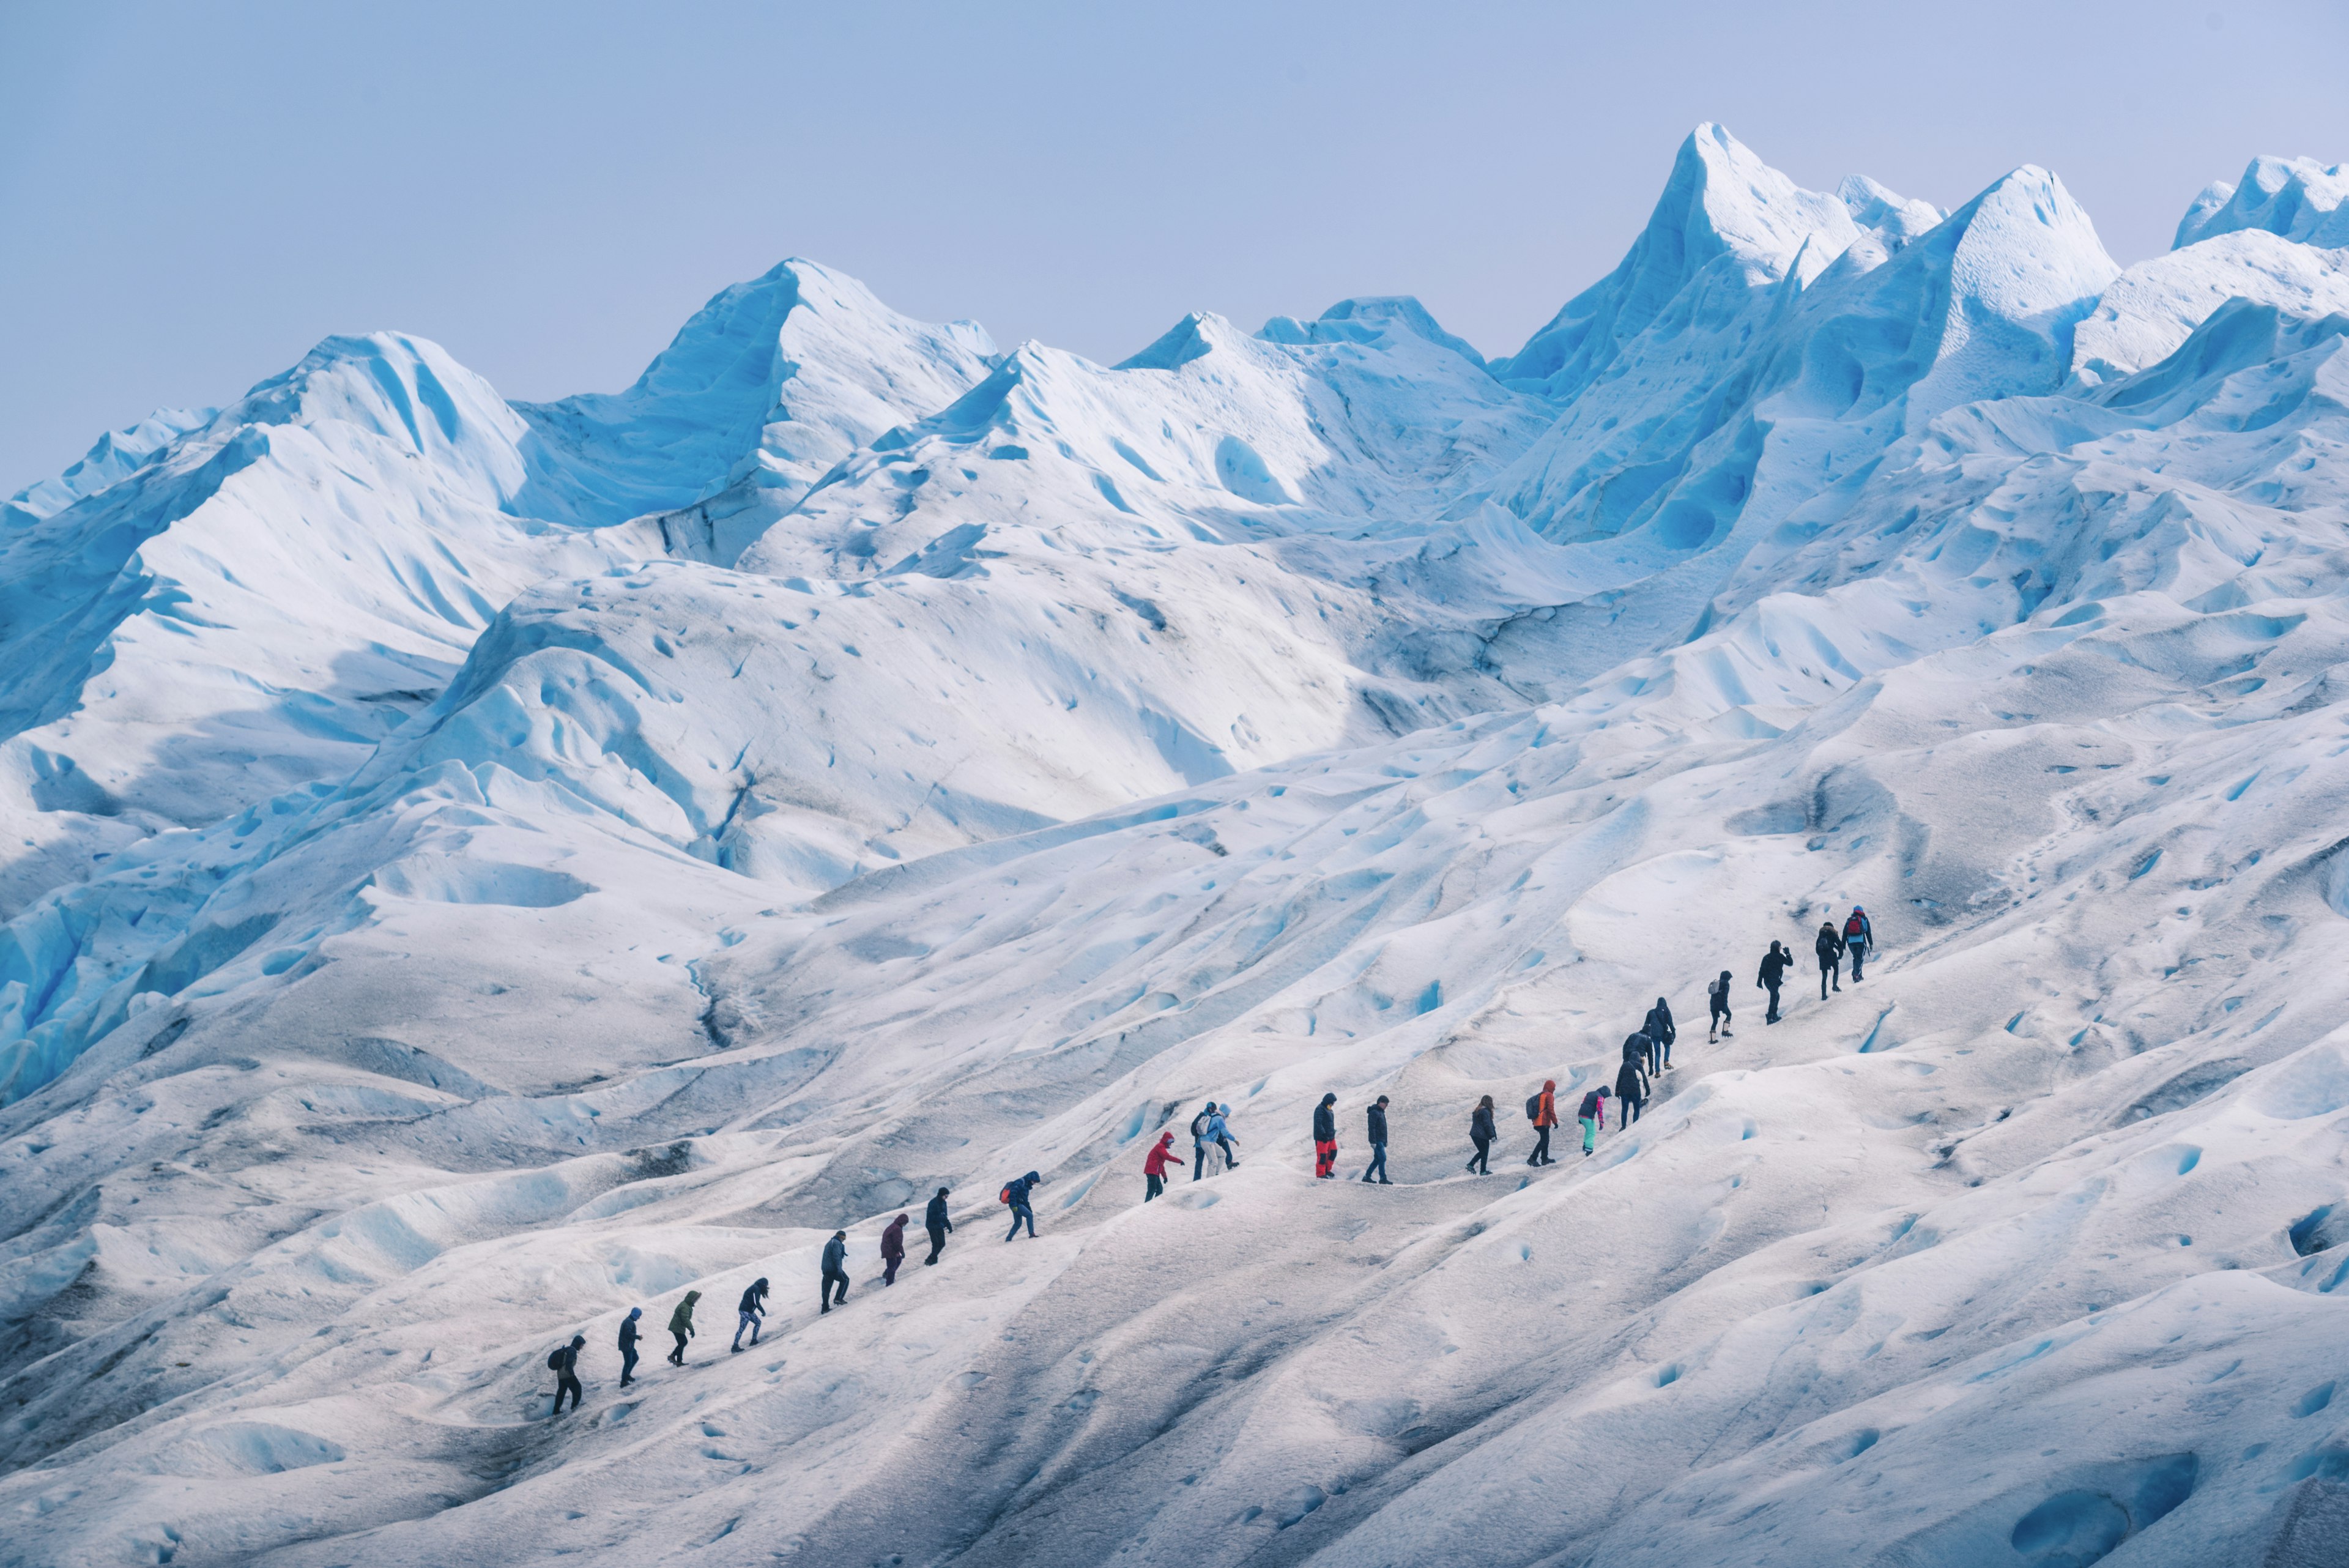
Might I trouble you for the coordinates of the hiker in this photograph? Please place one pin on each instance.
(1829, 947)
(935, 1220)
(1325, 1137)
(1637, 1047)
(564, 1364)
(1153, 1167)
(1659, 1029)
(836, 1272)
(749, 1313)
(1482, 1132)
(1857, 938)
(1015, 1193)
(1592, 1115)
(1220, 1135)
(1631, 1090)
(893, 1249)
(1773, 976)
(628, 1346)
(1543, 1109)
(680, 1324)
(1716, 999)
(1378, 1143)
(1203, 1133)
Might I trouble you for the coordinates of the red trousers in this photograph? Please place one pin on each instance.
(1325, 1156)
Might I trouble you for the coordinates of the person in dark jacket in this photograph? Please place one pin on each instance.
(1378, 1143)
(628, 1346)
(1154, 1165)
(1201, 1135)
(1015, 1194)
(1829, 947)
(836, 1272)
(1545, 1119)
(1858, 940)
(565, 1364)
(1592, 1115)
(749, 1313)
(893, 1249)
(1773, 976)
(1716, 1002)
(1631, 1090)
(680, 1324)
(1325, 1137)
(935, 1220)
(1482, 1132)
(1638, 1048)
(1659, 1029)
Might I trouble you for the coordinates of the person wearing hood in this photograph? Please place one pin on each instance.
(836, 1272)
(1716, 1002)
(1858, 940)
(1482, 1132)
(629, 1346)
(680, 1324)
(750, 1312)
(1377, 1120)
(1545, 1109)
(1829, 947)
(893, 1249)
(1153, 1167)
(1325, 1137)
(1631, 1090)
(1774, 974)
(1592, 1115)
(935, 1220)
(564, 1363)
(1639, 1047)
(1219, 1133)
(1017, 1193)
(1659, 1029)
(1203, 1133)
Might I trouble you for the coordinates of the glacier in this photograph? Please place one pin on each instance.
(473, 867)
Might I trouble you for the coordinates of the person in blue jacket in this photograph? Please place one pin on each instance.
(1858, 940)
(1015, 1193)
(628, 1346)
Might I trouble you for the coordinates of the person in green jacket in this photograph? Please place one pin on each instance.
(680, 1324)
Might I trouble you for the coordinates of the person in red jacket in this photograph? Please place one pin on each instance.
(1545, 1119)
(1154, 1165)
(893, 1250)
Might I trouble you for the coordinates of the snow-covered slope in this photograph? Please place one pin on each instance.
(1099, 740)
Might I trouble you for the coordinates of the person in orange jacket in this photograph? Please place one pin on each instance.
(1153, 1167)
(1545, 1119)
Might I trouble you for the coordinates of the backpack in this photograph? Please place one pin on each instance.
(1718, 988)
(1199, 1127)
(1856, 928)
(1533, 1108)
(554, 1359)
(1004, 1196)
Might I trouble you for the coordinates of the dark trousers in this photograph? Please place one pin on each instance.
(832, 1279)
(1720, 1017)
(566, 1384)
(1631, 1110)
(1772, 1016)
(1478, 1161)
(627, 1365)
(1152, 1186)
(1022, 1212)
(1540, 1155)
(677, 1356)
(1198, 1161)
(1377, 1165)
(1829, 970)
(937, 1243)
(1858, 951)
(889, 1269)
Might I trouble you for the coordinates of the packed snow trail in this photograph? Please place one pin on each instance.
(1262, 719)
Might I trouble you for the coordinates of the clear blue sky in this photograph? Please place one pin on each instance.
(192, 193)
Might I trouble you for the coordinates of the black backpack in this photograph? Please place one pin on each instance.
(554, 1359)
(1533, 1108)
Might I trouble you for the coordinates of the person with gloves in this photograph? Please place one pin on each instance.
(1153, 1167)
(1325, 1137)
(1015, 1195)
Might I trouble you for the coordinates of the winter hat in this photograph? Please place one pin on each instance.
(635, 1312)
